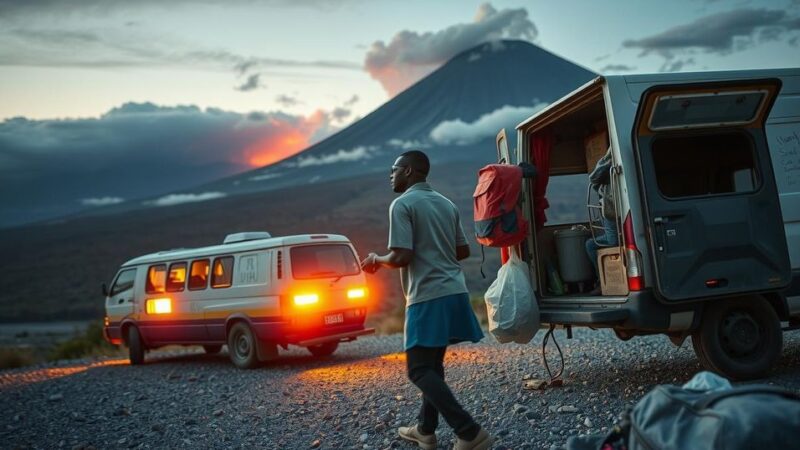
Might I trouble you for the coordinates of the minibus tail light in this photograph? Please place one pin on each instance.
(632, 256)
(356, 293)
(306, 299)
(158, 306)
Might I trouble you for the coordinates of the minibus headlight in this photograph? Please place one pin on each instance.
(305, 299)
(356, 293)
(158, 306)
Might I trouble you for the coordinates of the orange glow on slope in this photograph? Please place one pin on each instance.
(284, 139)
(274, 148)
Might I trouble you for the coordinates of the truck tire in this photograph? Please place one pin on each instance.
(325, 349)
(212, 349)
(739, 338)
(135, 346)
(242, 346)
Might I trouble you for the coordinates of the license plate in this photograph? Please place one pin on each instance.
(334, 318)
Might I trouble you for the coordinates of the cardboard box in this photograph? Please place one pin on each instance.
(613, 278)
(596, 146)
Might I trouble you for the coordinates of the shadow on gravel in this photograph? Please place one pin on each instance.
(284, 361)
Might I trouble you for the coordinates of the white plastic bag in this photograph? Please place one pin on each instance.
(511, 304)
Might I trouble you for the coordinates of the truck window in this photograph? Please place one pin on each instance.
(701, 165)
(321, 261)
(156, 278)
(198, 275)
(177, 277)
(222, 275)
(123, 282)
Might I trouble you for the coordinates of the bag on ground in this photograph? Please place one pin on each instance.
(706, 413)
(511, 304)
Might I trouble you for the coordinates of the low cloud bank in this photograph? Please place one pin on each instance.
(177, 199)
(459, 132)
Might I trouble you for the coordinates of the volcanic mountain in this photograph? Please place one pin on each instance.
(339, 185)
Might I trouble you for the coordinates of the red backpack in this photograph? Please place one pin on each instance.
(498, 217)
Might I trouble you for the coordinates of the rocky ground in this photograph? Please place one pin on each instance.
(352, 400)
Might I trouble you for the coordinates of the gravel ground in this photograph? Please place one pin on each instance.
(354, 399)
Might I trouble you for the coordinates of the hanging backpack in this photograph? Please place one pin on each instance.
(498, 217)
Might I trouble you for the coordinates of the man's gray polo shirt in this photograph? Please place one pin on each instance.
(426, 222)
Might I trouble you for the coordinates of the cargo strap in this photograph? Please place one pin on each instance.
(544, 354)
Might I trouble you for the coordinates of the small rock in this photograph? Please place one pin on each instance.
(567, 409)
(363, 437)
(399, 397)
(157, 427)
(190, 422)
(315, 444)
(218, 412)
(519, 409)
(533, 415)
(56, 397)
(121, 411)
(534, 384)
(587, 423)
(17, 417)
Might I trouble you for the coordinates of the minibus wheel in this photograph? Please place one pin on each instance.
(212, 349)
(739, 338)
(325, 349)
(242, 346)
(135, 346)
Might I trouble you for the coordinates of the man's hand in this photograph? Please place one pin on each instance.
(369, 264)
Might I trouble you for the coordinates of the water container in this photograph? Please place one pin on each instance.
(573, 262)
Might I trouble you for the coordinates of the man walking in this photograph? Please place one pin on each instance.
(426, 242)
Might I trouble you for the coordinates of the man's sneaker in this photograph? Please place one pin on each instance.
(424, 441)
(481, 442)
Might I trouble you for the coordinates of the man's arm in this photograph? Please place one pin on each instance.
(396, 258)
(462, 252)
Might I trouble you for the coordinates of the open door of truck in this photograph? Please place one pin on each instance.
(713, 216)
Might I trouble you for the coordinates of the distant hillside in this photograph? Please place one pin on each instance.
(337, 186)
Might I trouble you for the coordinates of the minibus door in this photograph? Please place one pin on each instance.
(711, 202)
(120, 301)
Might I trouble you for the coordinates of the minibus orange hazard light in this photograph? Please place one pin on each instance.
(356, 293)
(306, 299)
(158, 306)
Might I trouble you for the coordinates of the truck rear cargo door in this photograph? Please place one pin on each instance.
(713, 216)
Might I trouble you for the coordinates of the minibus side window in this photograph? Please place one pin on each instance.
(198, 275)
(177, 277)
(222, 274)
(124, 282)
(156, 278)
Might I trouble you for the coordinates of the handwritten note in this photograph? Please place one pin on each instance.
(786, 156)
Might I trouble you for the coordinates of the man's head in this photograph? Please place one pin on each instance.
(409, 168)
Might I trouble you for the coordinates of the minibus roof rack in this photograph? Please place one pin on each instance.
(246, 236)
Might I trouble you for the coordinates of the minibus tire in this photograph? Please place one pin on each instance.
(212, 349)
(740, 338)
(135, 346)
(242, 346)
(325, 349)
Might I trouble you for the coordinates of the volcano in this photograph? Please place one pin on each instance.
(339, 185)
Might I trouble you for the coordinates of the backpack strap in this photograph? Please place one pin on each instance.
(717, 396)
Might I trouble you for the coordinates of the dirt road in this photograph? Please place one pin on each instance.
(354, 399)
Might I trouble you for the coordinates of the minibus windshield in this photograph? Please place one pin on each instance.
(323, 261)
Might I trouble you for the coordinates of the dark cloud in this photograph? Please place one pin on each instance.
(287, 101)
(26, 45)
(617, 68)
(410, 55)
(24, 8)
(340, 113)
(676, 65)
(54, 167)
(352, 100)
(253, 82)
(721, 33)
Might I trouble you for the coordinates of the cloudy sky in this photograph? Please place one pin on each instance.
(183, 92)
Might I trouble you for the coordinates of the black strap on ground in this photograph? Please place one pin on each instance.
(544, 354)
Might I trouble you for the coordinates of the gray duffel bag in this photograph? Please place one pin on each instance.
(674, 418)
